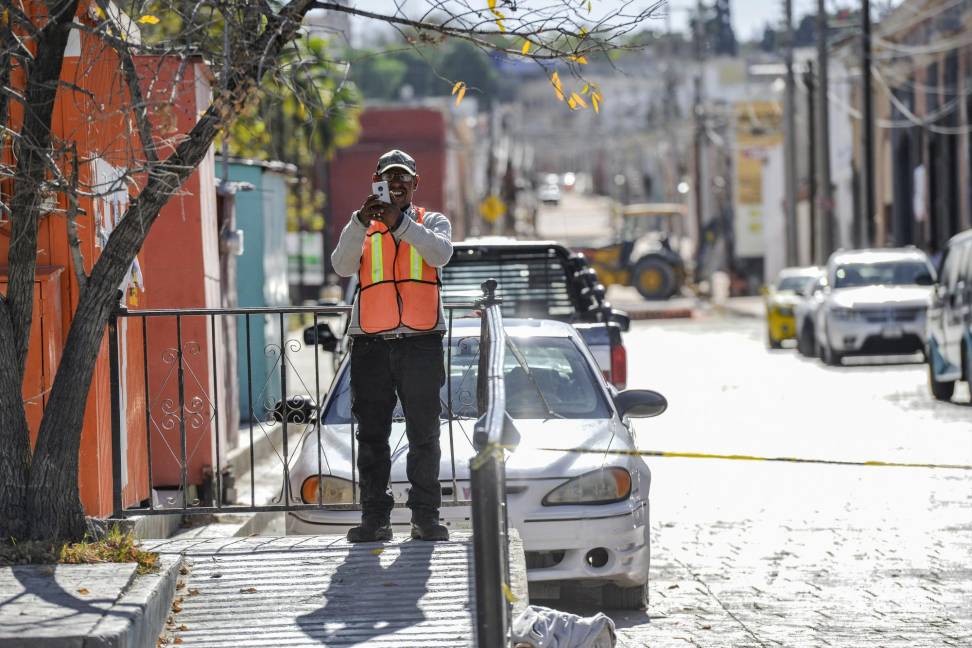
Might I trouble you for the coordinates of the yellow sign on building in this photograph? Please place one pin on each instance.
(759, 128)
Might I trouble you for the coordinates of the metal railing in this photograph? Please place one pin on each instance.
(175, 355)
(494, 434)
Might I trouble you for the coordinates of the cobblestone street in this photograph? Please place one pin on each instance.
(749, 553)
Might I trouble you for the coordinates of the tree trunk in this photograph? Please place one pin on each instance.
(14, 434)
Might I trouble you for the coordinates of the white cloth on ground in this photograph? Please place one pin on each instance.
(543, 627)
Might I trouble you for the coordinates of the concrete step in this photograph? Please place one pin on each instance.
(321, 590)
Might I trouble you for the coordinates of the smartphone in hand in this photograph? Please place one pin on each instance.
(380, 189)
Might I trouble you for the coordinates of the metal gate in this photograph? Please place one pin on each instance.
(185, 392)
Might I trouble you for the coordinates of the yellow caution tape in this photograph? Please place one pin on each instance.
(735, 457)
(511, 598)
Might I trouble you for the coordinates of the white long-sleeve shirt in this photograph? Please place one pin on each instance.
(432, 239)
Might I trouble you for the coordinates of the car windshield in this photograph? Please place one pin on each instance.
(793, 284)
(887, 273)
(559, 371)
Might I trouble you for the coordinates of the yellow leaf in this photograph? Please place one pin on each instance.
(99, 12)
(148, 20)
(526, 48)
(588, 6)
(380, 550)
(571, 103)
(508, 594)
(492, 5)
(597, 109)
(578, 100)
(555, 82)
(499, 20)
(583, 32)
(580, 60)
(587, 88)
(460, 95)
(458, 86)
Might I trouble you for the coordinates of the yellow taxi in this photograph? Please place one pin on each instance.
(781, 297)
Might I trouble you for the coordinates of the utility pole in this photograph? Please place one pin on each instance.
(790, 147)
(867, 215)
(699, 118)
(824, 189)
(809, 82)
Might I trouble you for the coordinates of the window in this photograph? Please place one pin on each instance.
(886, 273)
(559, 377)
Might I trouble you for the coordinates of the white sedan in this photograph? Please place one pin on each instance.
(583, 516)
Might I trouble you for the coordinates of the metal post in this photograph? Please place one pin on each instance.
(824, 189)
(809, 81)
(790, 134)
(867, 215)
(183, 452)
(487, 480)
(698, 113)
(115, 388)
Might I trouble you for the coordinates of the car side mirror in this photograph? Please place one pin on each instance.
(322, 335)
(622, 319)
(640, 403)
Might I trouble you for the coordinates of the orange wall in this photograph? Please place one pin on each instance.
(177, 266)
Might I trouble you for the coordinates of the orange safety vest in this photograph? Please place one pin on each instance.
(397, 287)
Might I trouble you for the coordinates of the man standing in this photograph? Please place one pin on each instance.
(397, 324)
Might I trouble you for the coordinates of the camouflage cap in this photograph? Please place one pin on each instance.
(396, 159)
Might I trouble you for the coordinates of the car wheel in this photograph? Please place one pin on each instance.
(654, 278)
(624, 598)
(831, 357)
(805, 343)
(771, 343)
(941, 390)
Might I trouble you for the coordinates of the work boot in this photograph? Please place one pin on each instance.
(425, 526)
(371, 529)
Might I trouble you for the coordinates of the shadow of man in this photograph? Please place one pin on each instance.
(365, 599)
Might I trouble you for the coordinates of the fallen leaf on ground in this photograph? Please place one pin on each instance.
(83, 590)
(248, 590)
(176, 607)
(377, 551)
(183, 627)
(193, 591)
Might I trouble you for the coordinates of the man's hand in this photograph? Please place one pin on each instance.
(374, 209)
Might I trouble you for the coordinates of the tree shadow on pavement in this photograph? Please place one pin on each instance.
(365, 599)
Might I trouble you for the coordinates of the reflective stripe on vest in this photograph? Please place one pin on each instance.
(398, 288)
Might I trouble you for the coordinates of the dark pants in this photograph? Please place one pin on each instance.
(410, 368)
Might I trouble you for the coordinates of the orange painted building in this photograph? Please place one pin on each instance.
(177, 267)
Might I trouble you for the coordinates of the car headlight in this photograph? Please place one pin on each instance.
(844, 314)
(602, 486)
(336, 490)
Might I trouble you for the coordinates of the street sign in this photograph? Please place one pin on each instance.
(492, 208)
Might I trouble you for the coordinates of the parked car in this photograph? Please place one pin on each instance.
(805, 313)
(950, 320)
(542, 279)
(549, 194)
(582, 516)
(875, 302)
(781, 298)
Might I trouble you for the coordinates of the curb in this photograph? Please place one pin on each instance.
(518, 573)
(137, 617)
(671, 313)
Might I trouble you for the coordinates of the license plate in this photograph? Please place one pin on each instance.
(892, 332)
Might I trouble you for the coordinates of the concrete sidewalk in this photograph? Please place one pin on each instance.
(82, 606)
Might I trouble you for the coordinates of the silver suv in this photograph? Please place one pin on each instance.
(875, 302)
